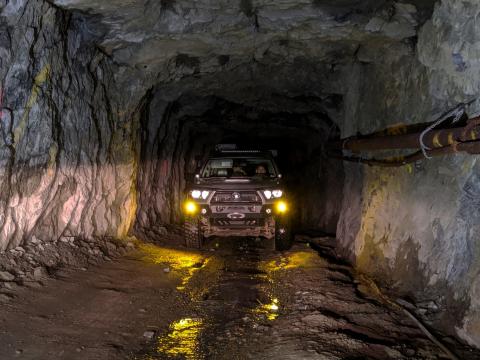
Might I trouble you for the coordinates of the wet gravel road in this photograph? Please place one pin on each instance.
(248, 303)
(233, 300)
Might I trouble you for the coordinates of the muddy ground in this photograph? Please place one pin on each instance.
(233, 300)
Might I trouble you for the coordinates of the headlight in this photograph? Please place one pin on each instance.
(196, 194)
(275, 193)
(281, 207)
(190, 207)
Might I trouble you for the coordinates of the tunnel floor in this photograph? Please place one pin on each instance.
(234, 300)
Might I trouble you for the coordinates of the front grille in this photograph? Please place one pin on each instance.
(230, 223)
(240, 208)
(236, 197)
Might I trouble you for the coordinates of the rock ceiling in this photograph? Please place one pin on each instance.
(209, 34)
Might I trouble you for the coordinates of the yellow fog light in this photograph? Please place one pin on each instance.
(281, 207)
(190, 207)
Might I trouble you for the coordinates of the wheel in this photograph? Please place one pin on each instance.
(192, 233)
(283, 234)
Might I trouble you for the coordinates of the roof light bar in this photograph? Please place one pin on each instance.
(223, 147)
(240, 151)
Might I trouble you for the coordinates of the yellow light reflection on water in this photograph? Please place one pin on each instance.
(187, 263)
(177, 259)
(182, 341)
(294, 260)
(191, 271)
(270, 310)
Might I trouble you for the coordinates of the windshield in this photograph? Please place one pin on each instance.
(239, 167)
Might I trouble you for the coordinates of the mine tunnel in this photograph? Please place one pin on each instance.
(109, 111)
(185, 138)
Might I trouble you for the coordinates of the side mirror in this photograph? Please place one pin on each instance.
(191, 177)
(198, 162)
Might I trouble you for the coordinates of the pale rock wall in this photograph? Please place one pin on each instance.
(415, 228)
(67, 151)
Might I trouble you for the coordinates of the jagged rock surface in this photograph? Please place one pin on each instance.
(415, 227)
(67, 151)
(90, 89)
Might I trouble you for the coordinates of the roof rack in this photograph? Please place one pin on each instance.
(224, 147)
(241, 151)
(234, 148)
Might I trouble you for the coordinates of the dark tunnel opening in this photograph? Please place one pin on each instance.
(183, 139)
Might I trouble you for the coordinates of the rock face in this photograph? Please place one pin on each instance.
(415, 227)
(106, 106)
(67, 150)
(158, 35)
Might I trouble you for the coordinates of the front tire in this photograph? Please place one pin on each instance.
(283, 234)
(192, 233)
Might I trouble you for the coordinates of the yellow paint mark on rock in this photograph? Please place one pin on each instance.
(42, 76)
(436, 140)
(397, 129)
(382, 193)
(450, 138)
(39, 80)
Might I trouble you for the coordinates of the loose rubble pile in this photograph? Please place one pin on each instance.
(33, 263)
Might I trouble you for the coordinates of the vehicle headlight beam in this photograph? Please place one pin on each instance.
(275, 194)
(281, 207)
(190, 207)
(197, 194)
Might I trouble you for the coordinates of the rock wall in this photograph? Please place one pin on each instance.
(67, 148)
(80, 141)
(415, 228)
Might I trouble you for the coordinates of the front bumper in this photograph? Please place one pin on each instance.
(257, 226)
(240, 217)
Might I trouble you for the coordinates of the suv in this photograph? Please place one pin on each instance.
(237, 193)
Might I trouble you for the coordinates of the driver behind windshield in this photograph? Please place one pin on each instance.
(238, 171)
(260, 171)
(242, 167)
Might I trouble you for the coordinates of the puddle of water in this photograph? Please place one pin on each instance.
(294, 260)
(182, 341)
(186, 263)
(270, 310)
(176, 259)
(190, 272)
